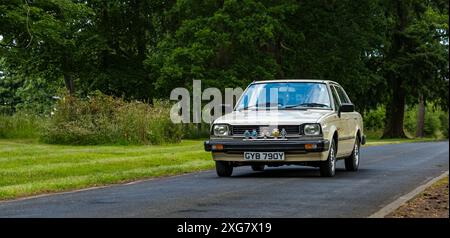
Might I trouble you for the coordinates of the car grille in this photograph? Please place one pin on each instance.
(290, 129)
(239, 130)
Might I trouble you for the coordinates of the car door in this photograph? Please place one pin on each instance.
(346, 136)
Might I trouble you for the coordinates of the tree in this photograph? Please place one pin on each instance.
(219, 42)
(339, 41)
(128, 31)
(381, 51)
(8, 87)
(232, 43)
(416, 58)
(46, 39)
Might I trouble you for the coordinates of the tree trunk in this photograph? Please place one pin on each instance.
(395, 112)
(67, 73)
(420, 117)
(68, 80)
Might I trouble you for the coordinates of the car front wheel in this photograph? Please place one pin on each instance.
(352, 162)
(328, 167)
(224, 169)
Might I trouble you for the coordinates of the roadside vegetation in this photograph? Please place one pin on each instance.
(97, 119)
(102, 119)
(21, 125)
(386, 54)
(435, 124)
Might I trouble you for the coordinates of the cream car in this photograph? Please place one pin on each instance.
(288, 122)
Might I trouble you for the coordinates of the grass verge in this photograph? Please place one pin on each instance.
(374, 142)
(30, 168)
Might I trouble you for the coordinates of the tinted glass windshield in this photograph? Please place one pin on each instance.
(292, 95)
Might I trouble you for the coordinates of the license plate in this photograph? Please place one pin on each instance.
(264, 155)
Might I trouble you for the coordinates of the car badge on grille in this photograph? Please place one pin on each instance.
(265, 132)
(275, 133)
(254, 134)
(283, 133)
(247, 134)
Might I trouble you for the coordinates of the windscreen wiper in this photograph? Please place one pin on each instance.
(306, 105)
(264, 105)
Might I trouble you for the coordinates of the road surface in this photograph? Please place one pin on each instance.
(386, 173)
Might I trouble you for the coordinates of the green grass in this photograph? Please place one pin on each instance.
(20, 125)
(373, 142)
(28, 167)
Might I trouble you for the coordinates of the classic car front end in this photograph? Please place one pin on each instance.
(229, 142)
(299, 125)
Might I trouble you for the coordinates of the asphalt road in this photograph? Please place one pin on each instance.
(386, 173)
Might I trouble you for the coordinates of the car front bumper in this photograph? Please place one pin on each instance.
(295, 150)
(319, 145)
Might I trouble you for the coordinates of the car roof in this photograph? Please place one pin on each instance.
(295, 81)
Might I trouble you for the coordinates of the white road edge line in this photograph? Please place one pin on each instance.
(405, 198)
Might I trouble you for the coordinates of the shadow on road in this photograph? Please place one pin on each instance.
(296, 172)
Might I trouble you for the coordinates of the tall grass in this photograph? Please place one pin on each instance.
(21, 125)
(196, 131)
(101, 119)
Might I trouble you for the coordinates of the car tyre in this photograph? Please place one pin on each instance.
(352, 162)
(328, 167)
(224, 169)
(258, 167)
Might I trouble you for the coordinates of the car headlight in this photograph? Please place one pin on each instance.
(221, 130)
(311, 129)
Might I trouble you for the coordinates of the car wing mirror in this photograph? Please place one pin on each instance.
(346, 107)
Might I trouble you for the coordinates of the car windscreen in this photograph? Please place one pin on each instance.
(285, 95)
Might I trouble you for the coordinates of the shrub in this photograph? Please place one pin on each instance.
(434, 124)
(374, 123)
(101, 119)
(444, 123)
(410, 121)
(196, 131)
(374, 119)
(162, 129)
(21, 125)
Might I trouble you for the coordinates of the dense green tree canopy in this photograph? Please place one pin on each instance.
(416, 57)
(232, 43)
(384, 52)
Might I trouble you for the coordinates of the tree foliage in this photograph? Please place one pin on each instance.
(416, 59)
(384, 52)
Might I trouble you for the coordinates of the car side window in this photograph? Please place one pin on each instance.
(342, 95)
(337, 104)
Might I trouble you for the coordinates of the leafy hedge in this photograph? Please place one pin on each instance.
(102, 119)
